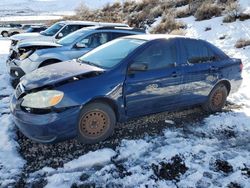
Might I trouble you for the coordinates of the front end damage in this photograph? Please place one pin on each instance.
(55, 123)
(19, 54)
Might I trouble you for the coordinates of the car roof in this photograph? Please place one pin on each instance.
(92, 23)
(76, 22)
(109, 28)
(115, 28)
(149, 37)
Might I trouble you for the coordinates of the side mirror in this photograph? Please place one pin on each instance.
(137, 67)
(80, 45)
(60, 35)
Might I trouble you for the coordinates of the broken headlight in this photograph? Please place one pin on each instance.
(42, 99)
(26, 55)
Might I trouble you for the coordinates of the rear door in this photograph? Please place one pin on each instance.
(200, 71)
(88, 43)
(157, 88)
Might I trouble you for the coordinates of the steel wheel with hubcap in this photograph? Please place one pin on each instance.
(96, 123)
(217, 99)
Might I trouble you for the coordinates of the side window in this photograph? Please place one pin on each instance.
(95, 40)
(157, 56)
(118, 35)
(197, 51)
(82, 26)
(68, 29)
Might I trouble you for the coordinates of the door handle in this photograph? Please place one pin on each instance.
(174, 74)
(212, 68)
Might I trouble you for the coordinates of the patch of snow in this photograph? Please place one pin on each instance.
(11, 162)
(169, 122)
(91, 159)
(29, 18)
(70, 173)
(245, 5)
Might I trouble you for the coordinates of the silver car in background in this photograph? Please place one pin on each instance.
(35, 54)
(57, 31)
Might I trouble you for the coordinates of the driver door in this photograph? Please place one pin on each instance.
(158, 86)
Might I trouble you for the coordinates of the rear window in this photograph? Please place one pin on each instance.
(198, 51)
(118, 35)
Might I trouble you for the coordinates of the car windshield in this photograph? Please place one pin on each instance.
(111, 53)
(52, 30)
(69, 39)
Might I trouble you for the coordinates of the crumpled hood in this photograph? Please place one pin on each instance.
(39, 44)
(24, 36)
(56, 73)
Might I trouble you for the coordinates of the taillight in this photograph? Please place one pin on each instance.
(241, 66)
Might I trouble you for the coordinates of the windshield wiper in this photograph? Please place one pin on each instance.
(89, 63)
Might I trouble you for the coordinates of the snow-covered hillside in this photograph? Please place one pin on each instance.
(189, 149)
(56, 7)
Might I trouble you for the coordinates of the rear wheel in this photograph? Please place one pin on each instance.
(217, 99)
(96, 123)
(5, 34)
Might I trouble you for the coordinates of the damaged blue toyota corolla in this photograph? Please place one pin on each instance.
(125, 78)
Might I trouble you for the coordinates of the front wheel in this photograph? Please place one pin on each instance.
(96, 123)
(217, 99)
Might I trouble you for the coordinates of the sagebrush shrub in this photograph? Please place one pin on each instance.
(207, 11)
(241, 43)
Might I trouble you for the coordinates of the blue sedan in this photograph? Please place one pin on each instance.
(125, 78)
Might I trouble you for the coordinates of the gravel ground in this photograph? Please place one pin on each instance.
(55, 155)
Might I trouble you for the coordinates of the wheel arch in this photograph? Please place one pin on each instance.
(49, 61)
(226, 83)
(110, 102)
(4, 32)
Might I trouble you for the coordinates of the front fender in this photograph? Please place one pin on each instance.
(101, 88)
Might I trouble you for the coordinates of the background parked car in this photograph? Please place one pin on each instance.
(27, 29)
(36, 29)
(124, 78)
(56, 31)
(21, 29)
(29, 56)
(5, 28)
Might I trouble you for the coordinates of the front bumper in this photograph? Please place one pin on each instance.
(14, 71)
(45, 128)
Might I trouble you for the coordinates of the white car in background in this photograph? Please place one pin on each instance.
(5, 28)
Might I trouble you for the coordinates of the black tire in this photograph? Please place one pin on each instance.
(96, 123)
(216, 99)
(5, 34)
(14, 83)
